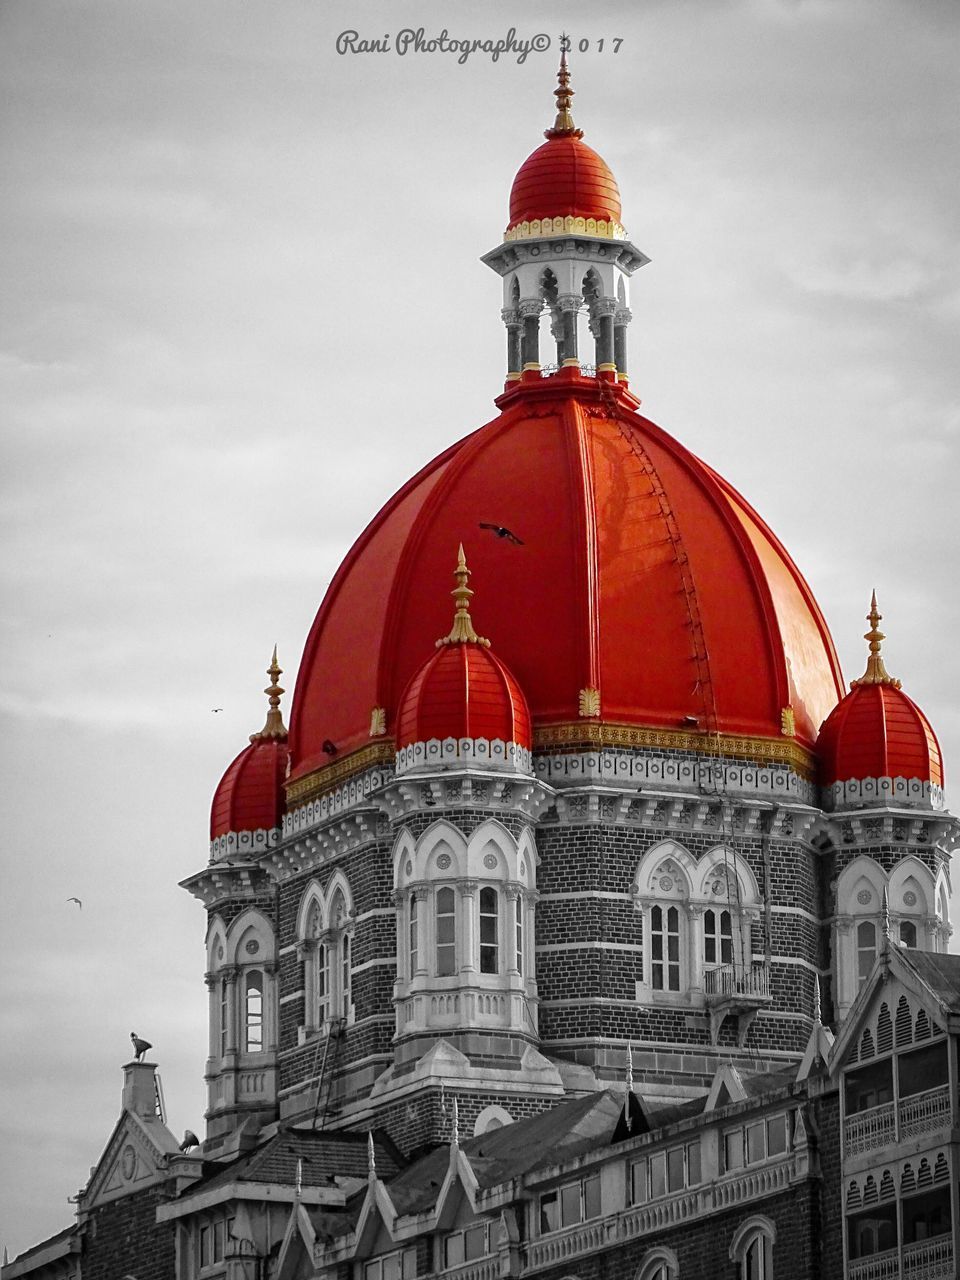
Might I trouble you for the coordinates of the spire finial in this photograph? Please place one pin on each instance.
(876, 672)
(816, 1000)
(629, 1089)
(455, 1124)
(274, 727)
(299, 1183)
(885, 917)
(563, 126)
(371, 1156)
(462, 631)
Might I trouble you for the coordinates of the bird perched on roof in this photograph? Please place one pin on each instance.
(140, 1047)
(500, 532)
(190, 1139)
(329, 747)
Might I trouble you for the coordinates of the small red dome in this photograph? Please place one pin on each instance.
(463, 690)
(564, 178)
(250, 794)
(876, 731)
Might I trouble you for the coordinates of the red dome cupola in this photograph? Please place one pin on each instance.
(248, 804)
(877, 744)
(463, 707)
(564, 185)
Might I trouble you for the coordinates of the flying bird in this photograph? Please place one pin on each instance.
(499, 531)
(190, 1139)
(214, 710)
(77, 901)
(140, 1047)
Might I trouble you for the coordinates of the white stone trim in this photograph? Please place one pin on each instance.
(870, 791)
(596, 894)
(701, 776)
(797, 911)
(463, 753)
(244, 844)
(351, 793)
(544, 948)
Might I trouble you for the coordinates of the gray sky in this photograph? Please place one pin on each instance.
(242, 303)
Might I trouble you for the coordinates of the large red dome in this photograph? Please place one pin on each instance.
(641, 575)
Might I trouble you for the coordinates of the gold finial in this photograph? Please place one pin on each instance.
(274, 727)
(462, 631)
(563, 126)
(876, 672)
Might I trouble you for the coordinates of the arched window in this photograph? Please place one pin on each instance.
(866, 949)
(659, 1264)
(322, 984)
(253, 1012)
(446, 932)
(413, 935)
(908, 934)
(665, 948)
(224, 1015)
(752, 1248)
(717, 937)
(489, 930)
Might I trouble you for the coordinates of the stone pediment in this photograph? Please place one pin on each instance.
(135, 1157)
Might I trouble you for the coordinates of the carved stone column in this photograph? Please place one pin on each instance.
(568, 305)
(468, 915)
(530, 309)
(511, 318)
(601, 326)
(620, 321)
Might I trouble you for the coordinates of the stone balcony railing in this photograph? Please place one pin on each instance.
(737, 980)
(880, 1126)
(686, 1206)
(927, 1260)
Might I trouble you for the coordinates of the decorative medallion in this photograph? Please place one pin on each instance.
(444, 860)
(523, 867)
(490, 860)
(909, 898)
(128, 1162)
(666, 883)
(408, 869)
(864, 896)
(253, 946)
(220, 952)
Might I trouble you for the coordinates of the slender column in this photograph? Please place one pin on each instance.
(422, 896)
(230, 980)
(511, 318)
(601, 326)
(569, 305)
(695, 948)
(271, 1022)
(530, 309)
(468, 908)
(213, 992)
(620, 321)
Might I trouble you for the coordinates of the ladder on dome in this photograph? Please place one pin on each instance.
(331, 1044)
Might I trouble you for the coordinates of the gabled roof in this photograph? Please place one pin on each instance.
(325, 1157)
(933, 978)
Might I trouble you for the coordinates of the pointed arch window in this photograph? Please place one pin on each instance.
(717, 937)
(446, 931)
(413, 934)
(489, 930)
(908, 934)
(866, 949)
(253, 1012)
(665, 948)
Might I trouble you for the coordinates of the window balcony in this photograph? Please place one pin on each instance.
(739, 989)
(919, 1114)
(926, 1260)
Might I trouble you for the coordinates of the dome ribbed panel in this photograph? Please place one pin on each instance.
(564, 178)
(463, 691)
(876, 731)
(250, 794)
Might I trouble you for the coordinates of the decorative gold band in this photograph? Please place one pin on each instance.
(607, 230)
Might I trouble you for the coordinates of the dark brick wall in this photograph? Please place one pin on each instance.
(123, 1238)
